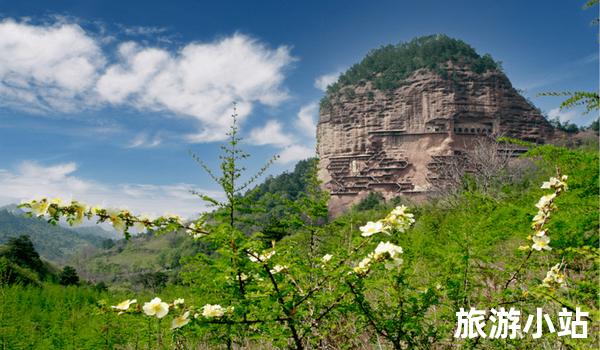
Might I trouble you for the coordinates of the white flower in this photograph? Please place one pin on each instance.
(326, 258)
(195, 230)
(195, 235)
(541, 242)
(124, 305)
(557, 184)
(178, 301)
(549, 184)
(541, 232)
(387, 248)
(39, 208)
(174, 217)
(95, 209)
(139, 227)
(209, 310)
(180, 321)
(554, 278)
(399, 219)
(540, 217)
(156, 307)
(278, 268)
(399, 210)
(80, 209)
(371, 228)
(117, 221)
(363, 266)
(262, 257)
(545, 201)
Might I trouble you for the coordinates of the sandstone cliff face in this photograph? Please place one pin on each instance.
(392, 141)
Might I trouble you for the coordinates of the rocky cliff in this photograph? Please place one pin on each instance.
(390, 135)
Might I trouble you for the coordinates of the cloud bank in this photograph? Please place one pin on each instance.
(325, 80)
(292, 147)
(61, 68)
(30, 180)
(562, 115)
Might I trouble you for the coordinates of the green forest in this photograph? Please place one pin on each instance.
(388, 66)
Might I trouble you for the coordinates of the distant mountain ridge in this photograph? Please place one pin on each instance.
(148, 253)
(53, 242)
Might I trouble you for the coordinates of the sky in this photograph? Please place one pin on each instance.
(103, 101)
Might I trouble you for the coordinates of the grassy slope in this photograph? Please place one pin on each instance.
(71, 318)
(125, 261)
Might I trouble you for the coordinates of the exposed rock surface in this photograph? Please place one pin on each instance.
(392, 141)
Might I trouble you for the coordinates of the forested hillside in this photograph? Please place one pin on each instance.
(387, 66)
(268, 208)
(54, 242)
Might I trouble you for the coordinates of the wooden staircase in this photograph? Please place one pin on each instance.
(379, 172)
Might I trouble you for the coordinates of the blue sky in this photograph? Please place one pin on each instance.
(102, 100)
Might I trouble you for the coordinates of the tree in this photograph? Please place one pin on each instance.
(108, 243)
(590, 100)
(69, 276)
(388, 66)
(22, 252)
(594, 126)
(565, 126)
(371, 201)
(484, 167)
(154, 281)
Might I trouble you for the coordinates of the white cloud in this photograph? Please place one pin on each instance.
(563, 116)
(47, 68)
(325, 80)
(143, 140)
(306, 119)
(270, 134)
(119, 82)
(200, 81)
(142, 30)
(292, 147)
(61, 68)
(31, 180)
(294, 153)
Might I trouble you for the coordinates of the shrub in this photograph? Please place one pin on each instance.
(68, 276)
